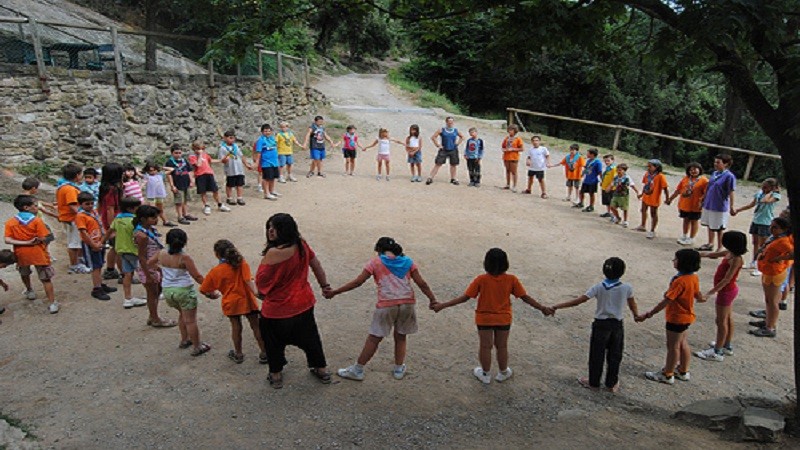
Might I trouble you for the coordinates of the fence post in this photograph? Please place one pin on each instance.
(260, 65)
(750, 160)
(617, 135)
(280, 69)
(118, 66)
(510, 120)
(37, 50)
(305, 72)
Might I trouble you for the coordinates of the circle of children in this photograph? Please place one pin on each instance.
(120, 212)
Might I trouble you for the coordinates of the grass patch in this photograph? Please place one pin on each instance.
(39, 170)
(16, 423)
(422, 97)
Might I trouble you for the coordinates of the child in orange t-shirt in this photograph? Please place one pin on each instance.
(573, 170)
(653, 184)
(493, 312)
(692, 189)
(679, 299)
(774, 259)
(67, 208)
(91, 229)
(512, 146)
(233, 279)
(28, 233)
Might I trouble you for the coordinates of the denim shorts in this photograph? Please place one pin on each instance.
(130, 262)
(416, 158)
(285, 160)
(317, 154)
(94, 259)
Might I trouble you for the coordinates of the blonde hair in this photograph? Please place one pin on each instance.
(283, 124)
(198, 144)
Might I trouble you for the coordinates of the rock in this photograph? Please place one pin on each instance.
(716, 414)
(27, 118)
(761, 425)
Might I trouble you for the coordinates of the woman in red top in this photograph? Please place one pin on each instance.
(287, 310)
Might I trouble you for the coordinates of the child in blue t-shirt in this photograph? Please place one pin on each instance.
(764, 203)
(267, 161)
(315, 140)
(591, 178)
(90, 183)
(473, 153)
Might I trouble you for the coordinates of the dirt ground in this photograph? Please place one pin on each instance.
(95, 376)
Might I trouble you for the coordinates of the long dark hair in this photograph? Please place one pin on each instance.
(176, 241)
(286, 232)
(224, 249)
(144, 212)
(111, 178)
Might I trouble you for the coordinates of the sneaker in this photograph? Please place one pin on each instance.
(504, 375)
(30, 294)
(650, 235)
(293, 179)
(455, 182)
(110, 274)
(207, 210)
(751, 265)
(320, 174)
(605, 214)
(755, 273)
(588, 209)
(764, 332)
(727, 351)
(624, 224)
(387, 177)
(709, 354)
(413, 179)
(99, 294)
(190, 217)
(613, 220)
(758, 323)
(428, 181)
(133, 302)
(230, 201)
(351, 373)
(240, 202)
(759, 314)
(224, 208)
(260, 188)
(681, 240)
(281, 179)
(377, 177)
(276, 194)
(577, 205)
(686, 376)
(399, 372)
(270, 197)
(482, 376)
(107, 288)
(54, 307)
(79, 268)
(783, 306)
(660, 377)
(477, 185)
(309, 174)
(514, 190)
(183, 221)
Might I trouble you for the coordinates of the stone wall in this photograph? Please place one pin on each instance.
(82, 119)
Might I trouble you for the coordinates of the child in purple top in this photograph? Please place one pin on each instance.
(718, 202)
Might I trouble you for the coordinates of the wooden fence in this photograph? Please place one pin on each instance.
(513, 116)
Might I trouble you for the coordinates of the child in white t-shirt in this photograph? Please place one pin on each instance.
(538, 161)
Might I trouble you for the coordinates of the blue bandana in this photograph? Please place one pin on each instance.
(399, 265)
(611, 284)
(25, 217)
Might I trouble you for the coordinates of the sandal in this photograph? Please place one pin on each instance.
(544, 196)
(238, 359)
(763, 332)
(276, 383)
(184, 344)
(262, 359)
(705, 248)
(323, 377)
(640, 229)
(162, 323)
(203, 348)
(170, 224)
(526, 191)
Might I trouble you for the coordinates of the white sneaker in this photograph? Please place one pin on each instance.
(351, 373)
(224, 208)
(755, 273)
(399, 372)
(30, 294)
(683, 377)
(613, 219)
(79, 268)
(709, 354)
(377, 177)
(725, 350)
(207, 210)
(132, 302)
(387, 177)
(625, 224)
(276, 194)
(503, 376)
(260, 188)
(292, 178)
(660, 377)
(751, 265)
(270, 197)
(53, 308)
(281, 179)
(650, 235)
(482, 376)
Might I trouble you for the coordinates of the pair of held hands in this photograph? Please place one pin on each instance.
(437, 306)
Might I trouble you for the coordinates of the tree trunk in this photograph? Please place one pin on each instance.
(150, 55)
(790, 157)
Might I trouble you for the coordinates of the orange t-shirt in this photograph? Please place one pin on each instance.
(494, 297)
(66, 195)
(691, 195)
(237, 298)
(577, 168)
(778, 247)
(657, 186)
(516, 144)
(84, 221)
(28, 255)
(681, 293)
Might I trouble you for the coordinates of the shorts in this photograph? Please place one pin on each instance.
(156, 200)
(587, 188)
(234, 181)
(416, 158)
(677, 327)
(45, 273)
(445, 155)
(403, 318)
(494, 327)
(251, 313)
(349, 153)
(129, 262)
(714, 220)
(181, 298)
(785, 284)
(270, 173)
(759, 230)
(774, 280)
(206, 183)
(182, 196)
(383, 157)
(689, 215)
(539, 174)
(285, 160)
(93, 259)
(73, 236)
(726, 298)
(573, 183)
(620, 201)
(317, 154)
(605, 198)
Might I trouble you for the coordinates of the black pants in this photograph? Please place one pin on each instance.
(608, 340)
(300, 331)
(474, 167)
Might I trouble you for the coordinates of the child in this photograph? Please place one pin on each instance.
(718, 201)
(179, 179)
(234, 280)
(679, 299)
(121, 231)
(27, 234)
(512, 146)
(110, 197)
(315, 140)
(90, 226)
(473, 153)
(591, 178)
(350, 148)
(130, 183)
(267, 161)
(90, 183)
(204, 177)
(653, 184)
(691, 188)
(606, 179)
(414, 151)
(67, 205)
(147, 246)
(285, 139)
(231, 156)
(774, 259)
(384, 143)
(608, 335)
(393, 272)
(493, 312)
(538, 160)
(620, 195)
(764, 202)
(155, 191)
(735, 243)
(573, 169)
(30, 186)
(178, 271)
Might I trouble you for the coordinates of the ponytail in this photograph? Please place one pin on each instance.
(176, 241)
(224, 249)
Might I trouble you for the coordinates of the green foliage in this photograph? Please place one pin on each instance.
(16, 423)
(38, 170)
(421, 96)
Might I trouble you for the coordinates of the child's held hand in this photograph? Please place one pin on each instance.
(212, 295)
(734, 212)
(436, 307)
(548, 310)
